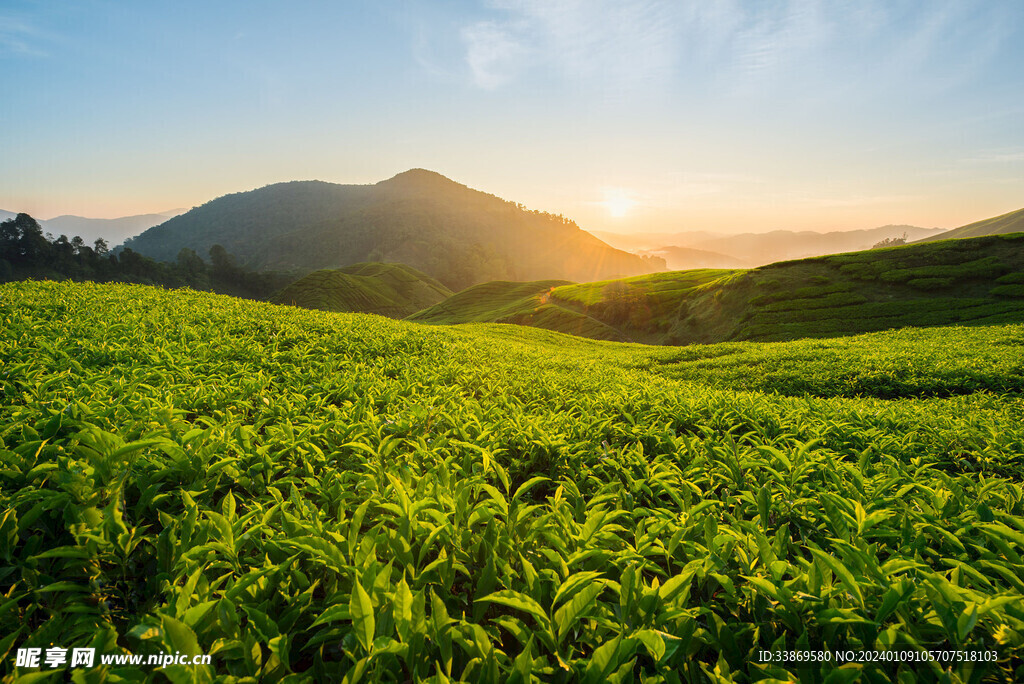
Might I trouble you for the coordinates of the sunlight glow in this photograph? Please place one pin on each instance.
(618, 202)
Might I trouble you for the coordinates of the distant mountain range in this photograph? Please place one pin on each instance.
(420, 218)
(757, 249)
(114, 231)
(687, 258)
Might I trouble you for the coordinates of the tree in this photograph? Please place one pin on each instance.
(190, 263)
(32, 247)
(221, 260)
(891, 241)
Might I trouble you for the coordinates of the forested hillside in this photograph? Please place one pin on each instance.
(419, 218)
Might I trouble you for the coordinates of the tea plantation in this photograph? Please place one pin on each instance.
(309, 496)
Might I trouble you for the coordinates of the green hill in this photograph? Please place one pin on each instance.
(519, 303)
(393, 290)
(637, 309)
(976, 281)
(457, 235)
(1012, 222)
(325, 497)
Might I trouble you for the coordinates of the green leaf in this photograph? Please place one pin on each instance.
(265, 628)
(840, 571)
(514, 599)
(333, 614)
(653, 641)
(568, 614)
(178, 636)
(361, 608)
(402, 609)
(965, 623)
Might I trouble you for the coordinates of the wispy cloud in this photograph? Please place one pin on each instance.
(614, 43)
(627, 46)
(1006, 156)
(20, 37)
(493, 53)
(781, 35)
(856, 200)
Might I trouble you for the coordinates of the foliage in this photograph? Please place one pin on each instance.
(25, 252)
(891, 241)
(331, 497)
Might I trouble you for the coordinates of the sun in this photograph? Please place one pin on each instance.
(618, 202)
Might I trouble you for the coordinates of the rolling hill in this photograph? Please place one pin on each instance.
(457, 235)
(1013, 222)
(527, 304)
(637, 309)
(975, 281)
(393, 290)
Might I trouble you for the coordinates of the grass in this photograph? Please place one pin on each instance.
(311, 496)
(393, 290)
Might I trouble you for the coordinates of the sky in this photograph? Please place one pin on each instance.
(625, 115)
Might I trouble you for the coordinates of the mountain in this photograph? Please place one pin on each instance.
(687, 258)
(1012, 222)
(969, 281)
(647, 242)
(113, 230)
(392, 290)
(758, 249)
(420, 218)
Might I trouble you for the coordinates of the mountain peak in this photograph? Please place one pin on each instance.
(419, 178)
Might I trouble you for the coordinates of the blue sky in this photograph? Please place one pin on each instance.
(627, 115)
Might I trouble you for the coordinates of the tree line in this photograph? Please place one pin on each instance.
(26, 252)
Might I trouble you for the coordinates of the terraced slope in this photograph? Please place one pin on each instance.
(1012, 222)
(393, 290)
(518, 303)
(637, 309)
(320, 497)
(970, 281)
(976, 281)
